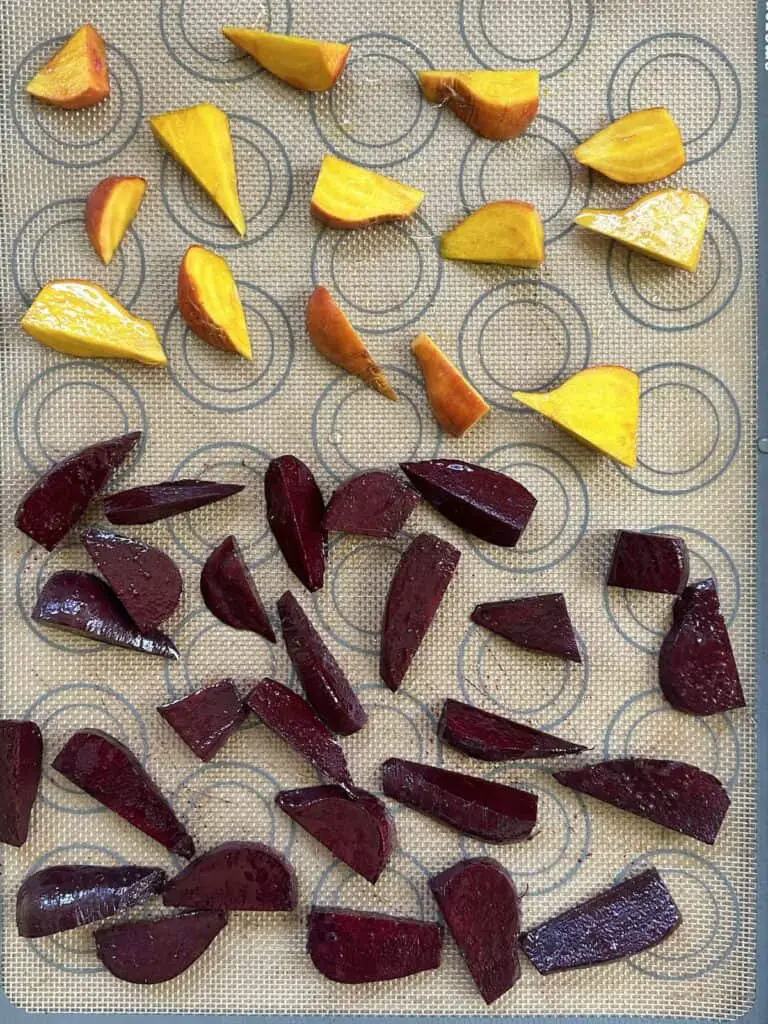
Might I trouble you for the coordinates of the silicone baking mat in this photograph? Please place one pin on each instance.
(691, 338)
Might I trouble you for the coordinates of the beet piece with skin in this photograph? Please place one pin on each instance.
(234, 876)
(372, 504)
(151, 502)
(230, 593)
(649, 561)
(540, 623)
(488, 737)
(295, 511)
(205, 719)
(21, 762)
(105, 769)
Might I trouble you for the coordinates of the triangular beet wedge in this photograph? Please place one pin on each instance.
(151, 502)
(488, 737)
(21, 761)
(295, 511)
(372, 504)
(540, 623)
(234, 876)
(230, 593)
(649, 561)
(206, 719)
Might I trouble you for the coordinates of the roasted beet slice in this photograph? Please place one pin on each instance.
(82, 603)
(475, 806)
(56, 501)
(151, 502)
(539, 623)
(206, 718)
(484, 502)
(481, 907)
(21, 761)
(489, 737)
(327, 688)
(626, 919)
(102, 767)
(145, 579)
(67, 896)
(234, 876)
(671, 793)
(150, 952)
(354, 825)
(373, 504)
(697, 669)
(417, 588)
(295, 512)
(351, 946)
(230, 593)
(649, 561)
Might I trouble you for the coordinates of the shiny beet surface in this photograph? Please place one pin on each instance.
(151, 502)
(230, 593)
(206, 719)
(540, 623)
(372, 504)
(295, 511)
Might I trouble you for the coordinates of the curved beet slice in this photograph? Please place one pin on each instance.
(234, 876)
(488, 737)
(540, 623)
(58, 499)
(66, 896)
(481, 907)
(230, 593)
(373, 504)
(80, 602)
(150, 952)
(327, 688)
(474, 806)
(482, 501)
(102, 767)
(206, 718)
(355, 826)
(295, 512)
(21, 761)
(671, 793)
(626, 919)
(649, 561)
(151, 502)
(352, 947)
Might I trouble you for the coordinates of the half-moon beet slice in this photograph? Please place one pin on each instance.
(230, 593)
(295, 510)
(234, 876)
(671, 793)
(151, 502)
(626, 919)
(539, 623)
(474, 806)
(488, 737)
(206, 719)
(649, 561)
(372, 504)
(21, 762)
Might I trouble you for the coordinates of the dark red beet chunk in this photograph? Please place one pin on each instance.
(488, 737)
(474, 806)
(295, 512)
(697, 669)
(355, 826)
(417, 588)
(151, 502)
(102, 767)
(80, 602)
(351, 947)
(67, 896)
(327, 688)
(234, 876)
(481, 907)
(230, 593)
(374, 504)
(21, 760)
(649, 561)
(537, 623)
(481, 501)
(632, 916)
(150, 952)
(671, 793)
(206, 718)
(145, 579)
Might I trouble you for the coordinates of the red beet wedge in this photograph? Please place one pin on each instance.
(234, 876)
(488, 737)
(649, 561)
(206, 719)
(373, 504)
(230, 593)
(152, 502)
(102, 767)
(295, 512)
(21, 761)
(539, 623)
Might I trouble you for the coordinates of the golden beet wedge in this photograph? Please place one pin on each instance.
(507, 232)
(334, 337)
(110, 210)
(495, 104)
(600, 406)
(79, 318)
(308, 64)
(200, 139)
(639, 148)
(455, 404)
(210, 303)
(666, 225)
(77, 75)
(348, 196)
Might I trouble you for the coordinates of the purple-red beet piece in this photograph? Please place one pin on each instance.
(482, 501)
(671, 793)
(206, 718)
(230, 593)
(21, 761)
(82, 603)
(295, 510)
(649, 561)
(327, 688)
(105, 769)
(417, 588)
(540, 623)
(352, 946)
(481, 907)
(697, 669)
(234, 876)
(150, 952)
(622, 921)
(355, 826)
(145, 579)
(150, 502)
(67, 896)
(474, 806)
(488, 737)
(373, 504)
